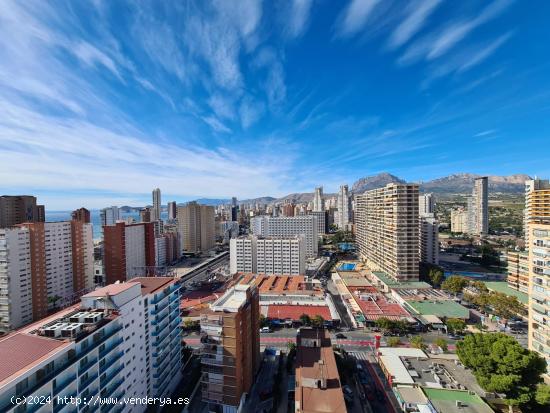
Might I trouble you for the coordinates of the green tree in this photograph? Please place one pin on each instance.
(501, 365)
(318, 321)
(264, 322)
(441, 342)
(454, 284)
(418, 342)
(542, 397)
(455, 325)
(436, 276)
(479, 286)
(290, 345)
(393, 341)
(400, 325)
(384, 323)
(305, 320)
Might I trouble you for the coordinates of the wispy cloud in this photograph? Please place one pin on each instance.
(354, 17)
(438, 43)
(297, 17)
(486, 51)
(485, 133)
(215, 124)
(418, 13)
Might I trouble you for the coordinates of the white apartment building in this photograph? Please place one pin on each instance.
(321, 221)
(429, 239)
(342, 216)
(387, 230)
(15, 278)
(426, 204)
(160, 251)
(268, 255)
(305, 225)
(122, 340)
(110, 215)
(59, 265)
(135, 251)
(318, 201)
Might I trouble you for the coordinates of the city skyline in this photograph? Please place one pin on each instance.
(210, 100)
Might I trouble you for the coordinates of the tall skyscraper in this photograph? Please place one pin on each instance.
(342, 216)
(17, 209)
(537, 218)
(172, 210)
(459, 220)
(197, 227)
(480, 197)
(426, 204)
(109, 215)
(128, 251)
(387, 230)
(81, 214)
(230, 348)
(429, 239)
(157, 204)
(318, 201)
(305, 225)
(234, 209)
(268, 255)
(322, 221)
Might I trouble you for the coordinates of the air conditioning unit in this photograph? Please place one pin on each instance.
(92, 318)
(54, 330)
(71, 330)
(78, 317)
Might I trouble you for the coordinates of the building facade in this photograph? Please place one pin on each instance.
(426, 204)
(128, 251)
(538, 228)
(172, 210)
(387, 230)
(197, 227)
(342, 215)
(518, 270)
(81, 214)
(318, 201)
(322, 220)
(479, 209)
(305, 225)
(16, 209)
(429, 238)
(109, 216)
(459, 221)
(268, 255)
(157, 205)
(230, 348)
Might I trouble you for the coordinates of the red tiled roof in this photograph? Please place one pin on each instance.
(293, 312)
(379, 306)
(20, 351)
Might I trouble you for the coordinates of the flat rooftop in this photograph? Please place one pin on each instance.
(150, 285)
(375, 305)
(294, 312)
(111, 289)
(232, 300)
(393, 283)
(503, 287)
(281, 284)
(442, 308)
(446, 401)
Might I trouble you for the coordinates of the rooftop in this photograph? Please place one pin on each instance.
(150, 285)
(318, 387)
(443, 308)
(232, 300)
(502, 287)
(21, 351)
(293, 312)
(281, 284)
(375, 305)
(393, 283)
(445, 400)
(111, 289)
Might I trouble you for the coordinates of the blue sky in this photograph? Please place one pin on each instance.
(102, 101)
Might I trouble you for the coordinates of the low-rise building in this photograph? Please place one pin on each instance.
(318, 386)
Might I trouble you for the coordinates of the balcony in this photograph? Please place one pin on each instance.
(87, 382)
(85, 367)
(109, 377)
(111, 348)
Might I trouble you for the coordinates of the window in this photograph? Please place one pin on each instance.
(22, 386)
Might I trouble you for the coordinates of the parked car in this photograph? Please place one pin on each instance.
(265, 330)
(340, 335)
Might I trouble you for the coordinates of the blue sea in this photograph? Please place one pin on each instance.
(56, 216)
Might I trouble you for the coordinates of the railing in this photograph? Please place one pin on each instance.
(108, 350)
(63, 385)
(107, 379)
(85, 367)
(87, 382)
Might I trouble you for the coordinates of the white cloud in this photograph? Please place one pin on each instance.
(91, 56)
(250, 111)
(298, 17)
(354, 17)
(216, 124)
(418, 13)
(483, 53)
(456, 32)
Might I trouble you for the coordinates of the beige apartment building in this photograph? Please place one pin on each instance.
(230, 348)
(197, 227)
(518, 270)
(387, 225)
(538, 235)
(459, 220)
